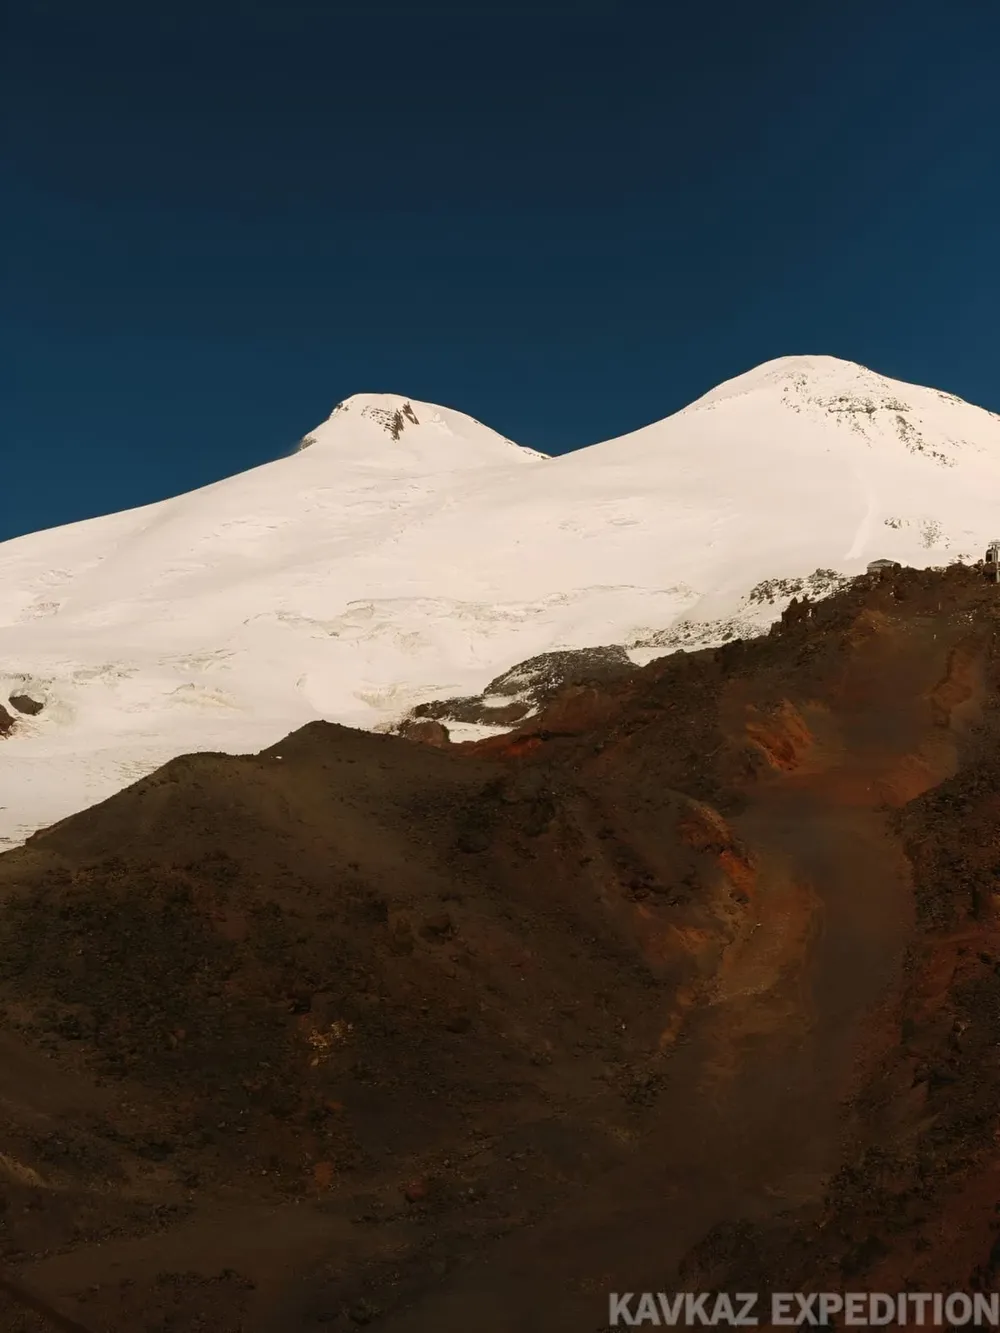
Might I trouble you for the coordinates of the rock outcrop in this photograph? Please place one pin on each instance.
(25, 704)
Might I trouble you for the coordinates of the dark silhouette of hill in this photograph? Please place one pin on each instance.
(693, 982)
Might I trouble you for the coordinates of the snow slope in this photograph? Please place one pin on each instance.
(409, 552)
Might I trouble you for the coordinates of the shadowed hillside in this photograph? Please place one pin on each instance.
(693, 982)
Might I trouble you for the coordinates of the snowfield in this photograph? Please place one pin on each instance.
(407, 552)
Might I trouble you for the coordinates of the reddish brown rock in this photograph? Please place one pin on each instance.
(426, 732)
(721, 931)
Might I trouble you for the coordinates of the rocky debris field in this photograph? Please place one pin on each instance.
(692, 982)
(520, 693)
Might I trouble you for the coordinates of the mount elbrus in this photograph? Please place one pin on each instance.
(407, 553)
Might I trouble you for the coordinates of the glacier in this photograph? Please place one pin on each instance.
(406, 552)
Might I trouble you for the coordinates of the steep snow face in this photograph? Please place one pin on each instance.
(407, 552)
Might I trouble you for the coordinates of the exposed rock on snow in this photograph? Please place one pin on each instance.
(426, 731)
(24, 704)
(520, 692)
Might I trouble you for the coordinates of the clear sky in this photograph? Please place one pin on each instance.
(568, 219)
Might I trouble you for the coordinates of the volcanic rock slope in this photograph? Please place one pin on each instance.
(692, 983)
(410, 553)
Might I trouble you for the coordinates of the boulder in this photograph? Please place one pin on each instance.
(25, 704)
(427, 732)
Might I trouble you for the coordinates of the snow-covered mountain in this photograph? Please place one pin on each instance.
(407, 552)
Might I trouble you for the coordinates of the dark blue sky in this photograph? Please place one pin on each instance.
(223, 216)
